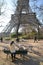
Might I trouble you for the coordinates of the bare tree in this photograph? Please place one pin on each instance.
(19, 14)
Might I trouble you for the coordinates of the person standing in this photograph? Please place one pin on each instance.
(1, 39)
(35, 39)
(13, 49)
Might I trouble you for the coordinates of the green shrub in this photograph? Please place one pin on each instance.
(13, 35)
(7, 38)
(41, 37)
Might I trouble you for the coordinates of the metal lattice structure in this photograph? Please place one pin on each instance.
(26, 17)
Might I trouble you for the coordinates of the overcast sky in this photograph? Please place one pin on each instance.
(9, 9)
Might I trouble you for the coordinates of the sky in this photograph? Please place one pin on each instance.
(37, 3)
(8, 8)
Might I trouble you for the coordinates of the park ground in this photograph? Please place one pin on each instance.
(34, 56)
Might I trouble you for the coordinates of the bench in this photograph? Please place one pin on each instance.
(21, 52)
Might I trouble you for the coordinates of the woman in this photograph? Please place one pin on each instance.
(12, 50)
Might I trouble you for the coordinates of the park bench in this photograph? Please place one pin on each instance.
(20, 52)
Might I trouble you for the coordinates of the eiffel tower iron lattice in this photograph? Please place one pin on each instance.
(22, 15)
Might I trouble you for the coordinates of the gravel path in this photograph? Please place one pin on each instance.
(34, 56)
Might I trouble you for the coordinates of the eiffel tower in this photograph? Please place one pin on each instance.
(27, 16)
